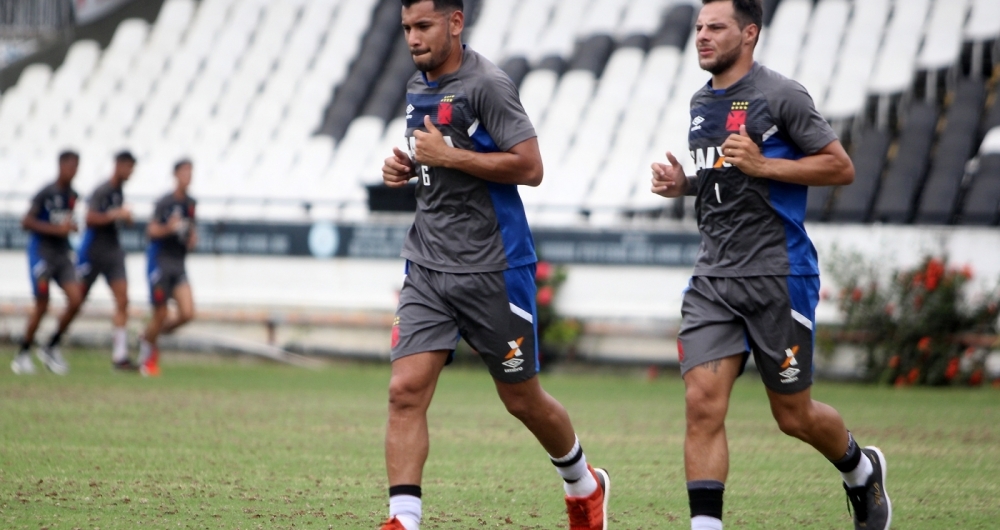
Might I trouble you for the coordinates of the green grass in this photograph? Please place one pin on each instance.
(227, 444)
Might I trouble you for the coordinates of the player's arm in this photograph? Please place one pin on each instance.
(521, 165)
(32, 223)
(97, 218)
(159, 230)
(830, 166)
(192, 241)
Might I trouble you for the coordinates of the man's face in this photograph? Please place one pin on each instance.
(123, 169)
(719, 37)
(428, 34)
(183, 175)
(67, 169)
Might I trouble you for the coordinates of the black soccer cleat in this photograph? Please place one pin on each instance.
(125, 366)
(872, 508)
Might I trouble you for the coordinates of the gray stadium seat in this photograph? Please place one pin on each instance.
(900, 191)
(982, 199)
(956, 145)
(854, 203)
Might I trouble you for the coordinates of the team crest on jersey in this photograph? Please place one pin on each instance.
(445, 110)
(737, 116)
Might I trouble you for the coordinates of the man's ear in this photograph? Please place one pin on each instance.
(457, 23)
(752, 34)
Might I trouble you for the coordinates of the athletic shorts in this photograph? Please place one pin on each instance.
(772, 317)
(93, 263)
(44, 267)
(163, 280)
(493, 311)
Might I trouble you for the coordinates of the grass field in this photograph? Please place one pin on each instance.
(226, 444)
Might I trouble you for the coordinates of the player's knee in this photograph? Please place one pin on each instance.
(791, 421)
(406, 393)
(704, 407)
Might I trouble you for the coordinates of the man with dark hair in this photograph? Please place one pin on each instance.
(101, 254)
(470, 261)
(172, 234)
(50, 221)
(758, 143)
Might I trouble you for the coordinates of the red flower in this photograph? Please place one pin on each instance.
(913, 375)
(967, 272)
(952, 370)
(935, 270)
(543, 271)
(900, 381)
(890, 308)
(856, 295)
(894, 361)
(924, 344)
(545, 295)
(976, 378)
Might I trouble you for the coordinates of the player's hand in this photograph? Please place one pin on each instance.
(68, 226)
(431, 148)
(398, 169)
(669, 180)
(192, 240)
(123, 214)
(741, 151)
(174, 223)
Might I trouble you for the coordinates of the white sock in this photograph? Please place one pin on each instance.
(119, 349)
(704, 522)
(145, 350)
(407, 509)
(859, 477)
(578, 481)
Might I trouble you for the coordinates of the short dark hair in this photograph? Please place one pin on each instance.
(440, 5)
(67, 155)
(181, 163)
(747, 11)
(125, 156)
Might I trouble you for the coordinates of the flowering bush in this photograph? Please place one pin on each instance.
(917, 325)
(558, 335)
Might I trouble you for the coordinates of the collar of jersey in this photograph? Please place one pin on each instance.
(722, 92)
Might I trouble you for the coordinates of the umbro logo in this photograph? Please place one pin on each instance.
(696, 123)
(409, 111)
(790, 372)
(513, 358)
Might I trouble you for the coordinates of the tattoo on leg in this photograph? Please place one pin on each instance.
(712, 365)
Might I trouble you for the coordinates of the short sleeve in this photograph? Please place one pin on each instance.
(97, 201)
(160, 212)
(498, 107)
(38, 203)
(801, 122)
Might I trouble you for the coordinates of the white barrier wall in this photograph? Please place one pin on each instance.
(596, 292)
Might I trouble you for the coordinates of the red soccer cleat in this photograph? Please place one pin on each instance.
(393, 524)
(591, 512)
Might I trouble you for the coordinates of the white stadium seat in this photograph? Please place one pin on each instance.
(788, 29)
(894, 69)
(849, 85)
(823, 40)
(943, 41)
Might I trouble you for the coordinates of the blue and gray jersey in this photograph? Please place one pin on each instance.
(170, 250)
(465, 224)
(103, 239)
(754, 226)
(54, 205)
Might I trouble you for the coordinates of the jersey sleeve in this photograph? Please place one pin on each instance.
(97, 202)
(160, 212)
(499, 110)
(801, 122)
(37, 204)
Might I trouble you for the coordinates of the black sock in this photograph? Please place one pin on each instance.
(849, 462)
(705, 497)
(56, 337)
(405, 489)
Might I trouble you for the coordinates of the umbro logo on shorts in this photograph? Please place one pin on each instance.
(514, 360)
(790, 372)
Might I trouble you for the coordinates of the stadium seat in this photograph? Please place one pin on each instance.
(527, 22)
(854, 203)
(894, 69)
(982, 198)
(848, 88)
(955, 146)
(819, 55)
(787, 32)
(900, 192)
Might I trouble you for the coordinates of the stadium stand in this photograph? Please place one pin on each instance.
(289, 107)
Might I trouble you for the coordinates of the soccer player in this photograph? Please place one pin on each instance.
(101, 253)
(758, 143)
(172, 233)
(470, 261)
(50, 221)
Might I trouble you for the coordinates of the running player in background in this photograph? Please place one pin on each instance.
(470, 261)
(101, 253)
(758, 143)
(172, 234)
(50, 221)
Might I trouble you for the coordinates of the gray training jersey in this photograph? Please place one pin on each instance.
(465, 224)
(104, 238)
(753, 226)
